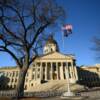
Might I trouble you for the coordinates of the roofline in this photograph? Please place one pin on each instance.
(70, 55)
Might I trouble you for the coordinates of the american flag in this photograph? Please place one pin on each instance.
(67, 29)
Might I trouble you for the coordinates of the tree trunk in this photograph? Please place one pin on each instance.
(20, 86)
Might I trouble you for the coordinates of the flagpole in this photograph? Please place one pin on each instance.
(68, 83)
(62, 41)
(68, 93)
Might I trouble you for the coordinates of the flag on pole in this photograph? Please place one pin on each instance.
(67, 29)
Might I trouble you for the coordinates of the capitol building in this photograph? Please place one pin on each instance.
(52, 66)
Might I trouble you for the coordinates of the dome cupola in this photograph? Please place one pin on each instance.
(50, 46)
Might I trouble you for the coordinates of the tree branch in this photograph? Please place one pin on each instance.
(21, 20)
(12, 54)
(2, 50)
(38, 33)
(34, 17)
(2, 23)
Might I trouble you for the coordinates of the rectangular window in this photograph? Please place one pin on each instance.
(33, 76)
(33, 69)
(15, 80)
(33, 64)
(14, 86)
(38, 69)
(38, 76)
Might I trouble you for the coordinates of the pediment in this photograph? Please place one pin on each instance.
(55, 55)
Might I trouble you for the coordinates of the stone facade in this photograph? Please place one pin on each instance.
(89, 75)
(52, 65)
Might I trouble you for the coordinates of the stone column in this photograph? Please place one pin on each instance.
(46, 71)
(66, 71)
(51, 72)
(61, 71)
(72, 70)
(41, 71)
(76, 75)
(57, 70)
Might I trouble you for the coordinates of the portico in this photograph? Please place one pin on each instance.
(55, 66)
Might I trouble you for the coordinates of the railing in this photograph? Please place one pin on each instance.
(32, 94)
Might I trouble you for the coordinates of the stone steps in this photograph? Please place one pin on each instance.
(55, 85)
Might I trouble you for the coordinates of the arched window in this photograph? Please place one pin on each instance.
(15, 80)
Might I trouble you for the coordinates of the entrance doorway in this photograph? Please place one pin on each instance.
(54, 76)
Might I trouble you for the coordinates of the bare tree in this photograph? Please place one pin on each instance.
(23, 25)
